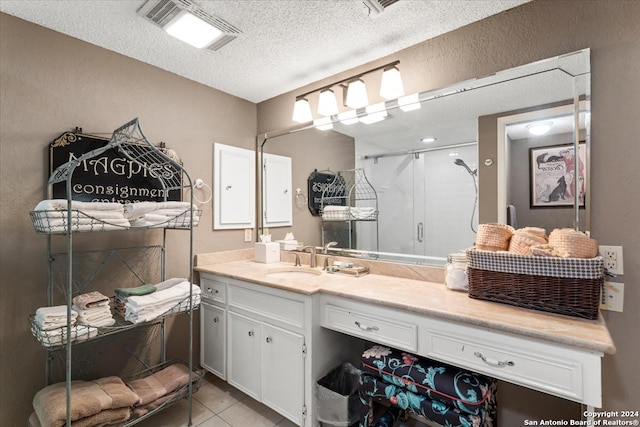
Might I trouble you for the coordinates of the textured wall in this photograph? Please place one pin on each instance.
(50, 84)
(531, 32)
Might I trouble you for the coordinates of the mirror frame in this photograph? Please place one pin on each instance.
(580, 105)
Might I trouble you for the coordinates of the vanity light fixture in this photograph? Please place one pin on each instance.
(354, 93)
(539, 128)
(391, 85)
(428, 139)
(327, 104)
(323, 124)
(348, 117)
(375, 113)
(409, 102)
(302, 111)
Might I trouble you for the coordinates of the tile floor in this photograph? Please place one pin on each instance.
(217, 404)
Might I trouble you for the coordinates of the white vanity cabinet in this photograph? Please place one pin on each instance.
(264, 335)
(213, 327)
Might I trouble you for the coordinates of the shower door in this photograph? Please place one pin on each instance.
(427, 203)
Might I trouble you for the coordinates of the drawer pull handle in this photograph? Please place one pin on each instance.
(250, 333)
(493, 362)
(365, 327)
(212, 291)
(215, 319)
(268, 339)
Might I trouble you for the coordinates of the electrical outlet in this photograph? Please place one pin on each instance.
(247, 234)
(613, 296)
(612, 258)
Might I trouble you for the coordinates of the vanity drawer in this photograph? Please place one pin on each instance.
(371, 323)
(555, 369)
(213, 290)
(276, 305)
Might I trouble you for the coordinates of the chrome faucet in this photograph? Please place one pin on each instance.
(312, 250)
(327, 246)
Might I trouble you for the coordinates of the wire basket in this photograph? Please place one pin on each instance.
(568, 286)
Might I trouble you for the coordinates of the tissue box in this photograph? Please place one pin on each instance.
(288, 245)
(267, 252)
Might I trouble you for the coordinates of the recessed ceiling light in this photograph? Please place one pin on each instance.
(539, 128)
(428, 139)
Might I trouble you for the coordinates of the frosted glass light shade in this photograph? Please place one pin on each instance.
(302, 111)
(323, 123)
(193, 30)
(409, 102)
(391, 86)
(327, 104)
(375, 113)
(356, 94)
(348, 117)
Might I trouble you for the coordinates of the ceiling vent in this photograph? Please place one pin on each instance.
(376, 7)
(162, 12)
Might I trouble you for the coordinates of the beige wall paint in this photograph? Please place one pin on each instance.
(51, 83)
(531, 32)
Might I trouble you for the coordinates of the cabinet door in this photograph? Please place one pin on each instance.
(276, 192)
(245, 354)
(283, 372)
(234, 192)
(213, 348)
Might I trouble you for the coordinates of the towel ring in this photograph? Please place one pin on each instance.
(198, 184)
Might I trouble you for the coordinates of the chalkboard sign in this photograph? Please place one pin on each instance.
(331, 185)
(109, 177)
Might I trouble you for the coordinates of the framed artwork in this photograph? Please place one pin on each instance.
(553, 173)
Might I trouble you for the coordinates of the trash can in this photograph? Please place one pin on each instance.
(337, 399)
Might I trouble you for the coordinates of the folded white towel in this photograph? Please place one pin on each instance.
(178, 291)
(62, 204)
(92, 315)
(136, 210)
(109, 321)
(53, 317)
(85, 214)
(169, 283)
(150, 313)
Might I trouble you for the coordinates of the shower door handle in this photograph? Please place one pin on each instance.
(420, 232)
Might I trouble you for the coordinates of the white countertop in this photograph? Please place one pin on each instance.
(429, 299)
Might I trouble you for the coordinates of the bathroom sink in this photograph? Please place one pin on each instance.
(292, 272)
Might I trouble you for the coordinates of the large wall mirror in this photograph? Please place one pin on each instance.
(483, 163)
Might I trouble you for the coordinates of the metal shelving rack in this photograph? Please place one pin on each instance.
(132, 144)
(348, 200)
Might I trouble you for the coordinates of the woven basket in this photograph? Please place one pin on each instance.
(574, 244)
(521, 243)
(568, 286)
(493, 237)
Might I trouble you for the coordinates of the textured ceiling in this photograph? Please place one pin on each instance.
(284, 45)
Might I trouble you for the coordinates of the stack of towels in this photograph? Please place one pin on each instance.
(160, 387)
(161, 214)
(344, 213)
(50, 326)
(93, 309)
(102, 402)
(147, 302)
(109, 401)
(85, 216)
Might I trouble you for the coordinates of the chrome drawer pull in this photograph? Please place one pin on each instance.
(493, 362)
(215, 319)
(250, 333)
(366, 328)
(268, 339)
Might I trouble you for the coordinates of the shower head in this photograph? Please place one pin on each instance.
(461, 162)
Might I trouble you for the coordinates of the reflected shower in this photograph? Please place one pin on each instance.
(474, 174)
(461, 162)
